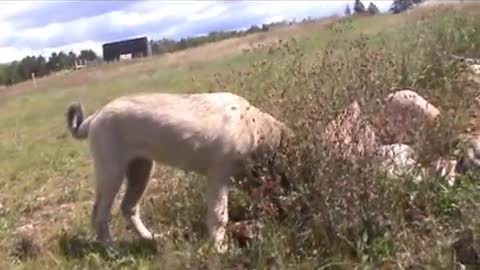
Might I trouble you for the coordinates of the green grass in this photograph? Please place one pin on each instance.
(42, 168)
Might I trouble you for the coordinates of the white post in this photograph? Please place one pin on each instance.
(33, 80)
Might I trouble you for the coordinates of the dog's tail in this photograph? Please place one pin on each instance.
(76, 123)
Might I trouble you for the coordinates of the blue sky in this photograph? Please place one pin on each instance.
(42, 27)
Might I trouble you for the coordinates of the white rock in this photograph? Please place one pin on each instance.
(471, 154)
(397, 159)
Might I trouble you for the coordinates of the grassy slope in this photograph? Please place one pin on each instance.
(30, 141)
(45, 176)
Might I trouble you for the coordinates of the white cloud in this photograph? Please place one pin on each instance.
(76, 47)
(209, 13)
(173, 7)
(9, 54)
(10, 9)
(274, 19)
(158, 19)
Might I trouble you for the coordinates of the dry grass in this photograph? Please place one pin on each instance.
(318, 211)
(185, 58)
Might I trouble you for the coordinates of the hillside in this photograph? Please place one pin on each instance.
(349, 220)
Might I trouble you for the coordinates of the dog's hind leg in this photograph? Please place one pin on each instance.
(138, 174)
(109, 176)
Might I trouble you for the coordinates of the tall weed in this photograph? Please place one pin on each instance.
(330, 209)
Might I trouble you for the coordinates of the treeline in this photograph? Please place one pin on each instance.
(402, 5)
(22, 70)
(396, 7)
(170, 45)
(359, 9)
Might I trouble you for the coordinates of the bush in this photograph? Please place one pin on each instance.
(324, 210)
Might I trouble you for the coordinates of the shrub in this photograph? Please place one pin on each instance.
(323, 209)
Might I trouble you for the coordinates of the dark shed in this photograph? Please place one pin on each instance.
(138, 47)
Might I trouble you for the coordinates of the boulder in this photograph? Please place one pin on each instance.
(400, 159)
(470, 156)
(471, 153)
(404, 113)
(475, 69)
(397, 159)
(409, 102)
(349, 134)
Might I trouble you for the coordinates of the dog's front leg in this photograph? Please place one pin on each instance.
(217, 215)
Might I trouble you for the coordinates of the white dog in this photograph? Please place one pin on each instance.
(209, 133)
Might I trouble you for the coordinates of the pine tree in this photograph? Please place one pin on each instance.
(359, 8)
(348, 11)
(373, 9)
(402, 5)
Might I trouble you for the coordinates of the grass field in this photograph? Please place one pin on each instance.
(46, 177)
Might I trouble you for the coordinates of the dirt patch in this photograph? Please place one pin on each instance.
(43, 223)
(49, 215)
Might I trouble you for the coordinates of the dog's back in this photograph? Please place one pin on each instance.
(188, 131)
